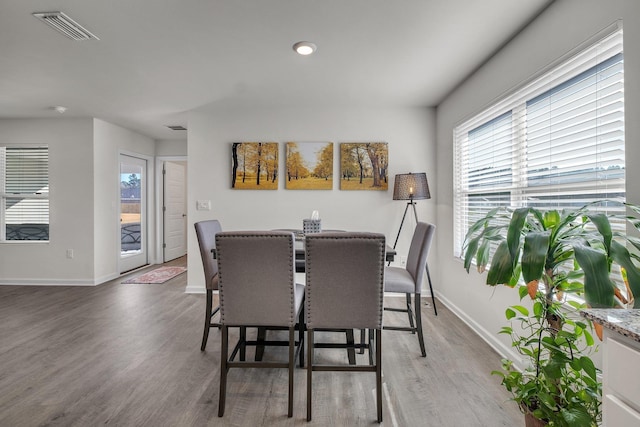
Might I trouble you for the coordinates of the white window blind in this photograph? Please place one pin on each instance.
(24, 193)
(558, 142)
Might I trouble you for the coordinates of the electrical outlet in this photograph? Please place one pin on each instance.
(70, 253)
(203, 205)
(403, 261)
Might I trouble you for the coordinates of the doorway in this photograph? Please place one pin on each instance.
(174, 210)
(133, 213)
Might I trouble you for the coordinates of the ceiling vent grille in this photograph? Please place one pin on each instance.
(65, 25)
(177, 127)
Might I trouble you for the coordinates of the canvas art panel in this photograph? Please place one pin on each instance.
(254, 165)
(364, 166)
(309, 166)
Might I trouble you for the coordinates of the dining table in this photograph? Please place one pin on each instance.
(390, 253)
(299, 235)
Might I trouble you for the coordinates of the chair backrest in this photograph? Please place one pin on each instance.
(344, 280)
(418, 251)
(206, 233)
(256, 278)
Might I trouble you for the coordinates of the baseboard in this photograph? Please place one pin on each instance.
(106, 278)
(46, 282)
(490, 338)
(194, 290)
(59, 282)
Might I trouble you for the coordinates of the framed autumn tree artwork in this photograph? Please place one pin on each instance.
(309, 166)
(254, 165)
(364, 165)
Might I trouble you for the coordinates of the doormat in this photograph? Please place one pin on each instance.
(156, 276)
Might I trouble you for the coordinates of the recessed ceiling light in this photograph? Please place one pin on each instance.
(304, 48)
(59, 108)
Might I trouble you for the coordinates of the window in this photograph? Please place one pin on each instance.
(24, 193)
(558, 142)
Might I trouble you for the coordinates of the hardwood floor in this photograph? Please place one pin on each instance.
(129, 355)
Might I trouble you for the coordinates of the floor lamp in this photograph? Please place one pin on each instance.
(412, 186)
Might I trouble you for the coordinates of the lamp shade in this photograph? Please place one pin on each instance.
(411, 186)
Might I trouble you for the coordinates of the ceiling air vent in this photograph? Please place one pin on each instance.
(65, 25)
(177, 127)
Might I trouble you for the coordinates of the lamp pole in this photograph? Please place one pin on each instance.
(415, 214)
(411, 185)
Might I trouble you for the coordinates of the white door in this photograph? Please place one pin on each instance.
(133, 213)
(175, 211)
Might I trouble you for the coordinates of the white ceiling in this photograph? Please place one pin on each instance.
(157, 59)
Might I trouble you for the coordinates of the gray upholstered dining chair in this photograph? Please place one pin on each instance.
(344, 289)
(256, 280)
(206, 233)
(408, 280)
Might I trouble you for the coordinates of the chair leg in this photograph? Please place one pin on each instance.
(243, 343)
(262, 335)
(292, 353)
(371, 351)
(418, 314)
(351, 351)
(223, 369)
(379, 373)
(309, 370)
(301, 336)
(409, 314)
(433, 296)
(207, 319)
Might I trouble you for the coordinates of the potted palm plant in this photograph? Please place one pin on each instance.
(549, 255)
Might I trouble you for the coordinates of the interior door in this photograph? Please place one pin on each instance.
(133, 213)
(174, 210)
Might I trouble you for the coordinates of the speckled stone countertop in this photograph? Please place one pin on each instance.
(625, 322)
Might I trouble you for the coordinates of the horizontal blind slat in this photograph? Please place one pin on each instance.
(24, 190)
(557, 142)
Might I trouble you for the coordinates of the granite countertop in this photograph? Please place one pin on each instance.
(625, 322)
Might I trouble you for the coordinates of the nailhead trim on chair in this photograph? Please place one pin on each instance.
(308, 293)
(260, 234)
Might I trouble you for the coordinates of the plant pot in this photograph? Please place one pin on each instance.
(531, 421)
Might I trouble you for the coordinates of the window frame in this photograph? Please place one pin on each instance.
(592, 54)
(5, 196)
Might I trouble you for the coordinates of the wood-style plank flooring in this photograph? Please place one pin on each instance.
(129, 355)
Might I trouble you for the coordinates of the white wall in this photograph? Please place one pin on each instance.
(84, 212)
(409, 132)
(171, 147)
(109, 141)
(70, 144)
(561, 28)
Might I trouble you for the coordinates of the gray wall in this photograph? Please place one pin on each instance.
(70, 144)
(419, 139)
(84, 213)
(172, 147)
(561, 28)
(110, 141)
(410, 133)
